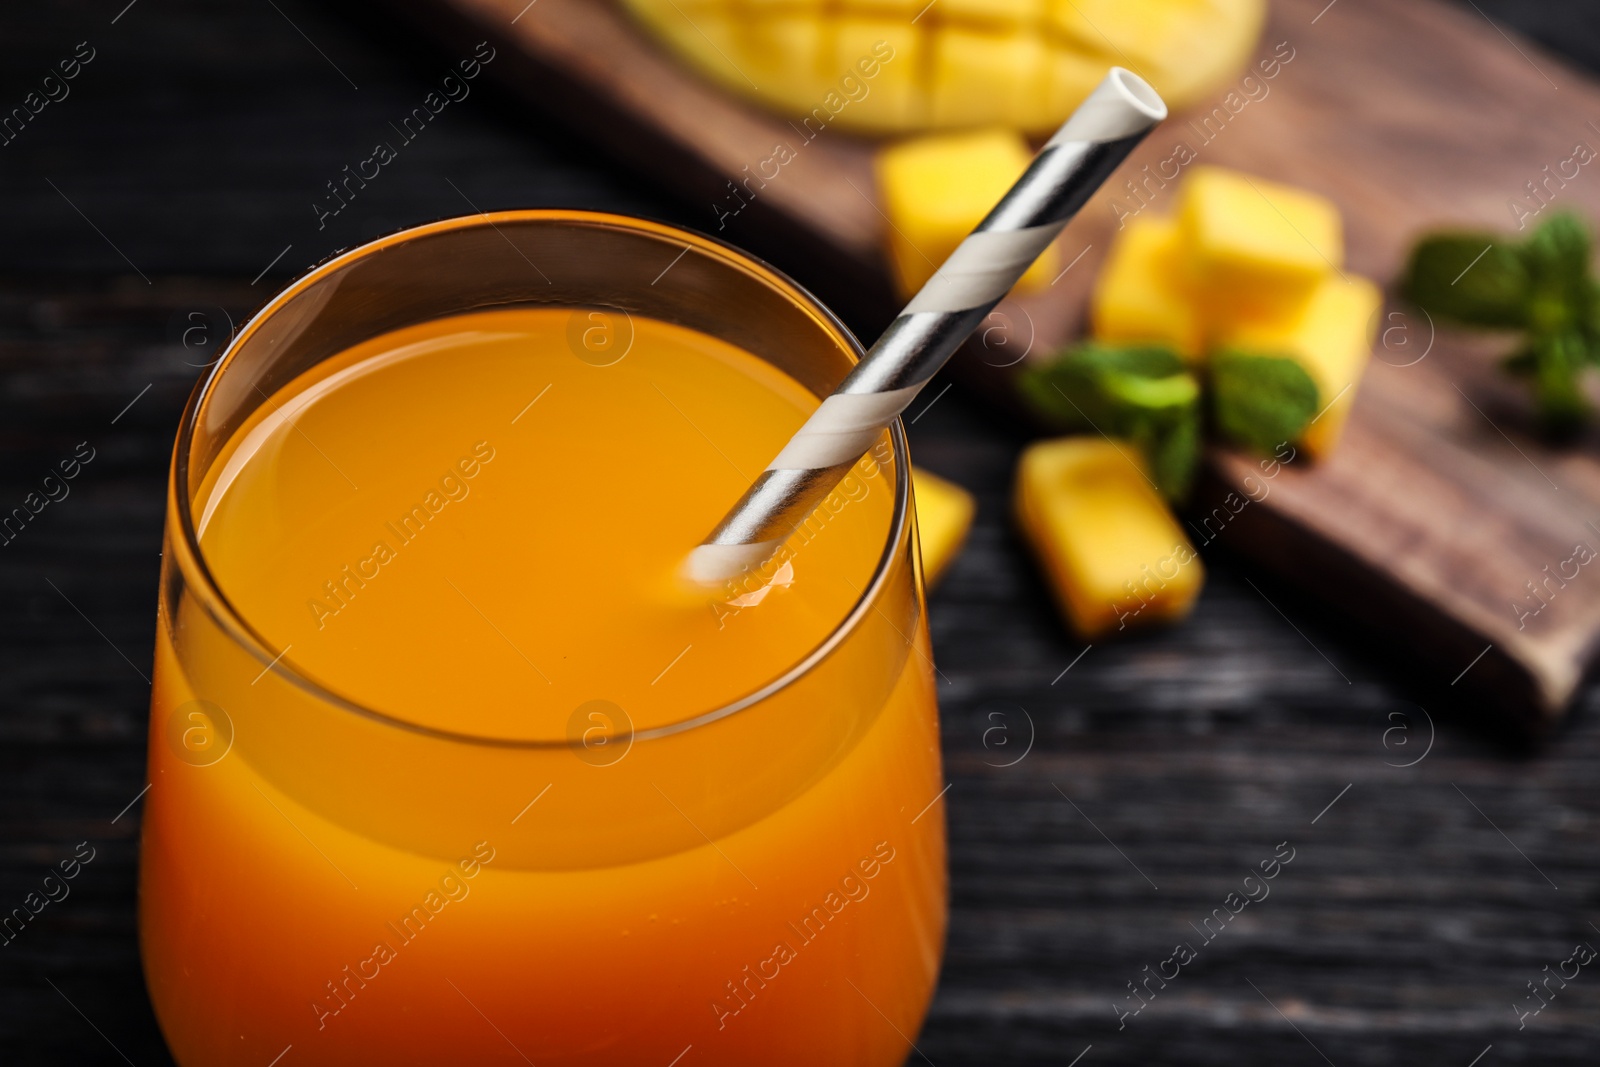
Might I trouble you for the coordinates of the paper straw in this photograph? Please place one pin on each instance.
(1066, 172)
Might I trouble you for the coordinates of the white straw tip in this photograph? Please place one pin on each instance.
(1137, 93)
(1123, 104)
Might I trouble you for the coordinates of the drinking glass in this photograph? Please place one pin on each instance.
(762, 882)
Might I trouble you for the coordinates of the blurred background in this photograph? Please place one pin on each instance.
(1104, 796)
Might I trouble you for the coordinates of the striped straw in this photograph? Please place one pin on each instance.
(1066, 172)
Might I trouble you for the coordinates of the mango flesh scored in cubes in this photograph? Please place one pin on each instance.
(884, 93)
(1141, 294)
(944, 515)
(782, 49)
(1008, 13)
(935, 189)
(1112, 551)
(1254, 246)
(1020, 63)
(1158, 39)
(974, 74)
(1068, 78)
(1331, 336)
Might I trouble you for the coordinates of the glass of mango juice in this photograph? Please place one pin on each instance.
(448, 763)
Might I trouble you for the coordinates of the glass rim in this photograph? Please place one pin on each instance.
(214, 602)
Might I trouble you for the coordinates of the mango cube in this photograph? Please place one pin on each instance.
(1331, 336)
(944, 515)
(1142, 294)
(1111, 549)
(936, 189)
(1253, 246)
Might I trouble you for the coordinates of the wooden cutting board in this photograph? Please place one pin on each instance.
(1440, 508)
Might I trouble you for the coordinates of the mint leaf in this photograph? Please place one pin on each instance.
(1564, 316)
(1589, 318)
(1143, 393)
(1474, 279)
(1557, 259)
(1560, 248)
(1261, 401)
(1172, 391)
(1134, 360)
(1091, 386)
(1553, 364)
(1174, 455)
(1542, 286)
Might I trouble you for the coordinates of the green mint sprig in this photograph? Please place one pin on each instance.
(1542, 287)
(1149, 395)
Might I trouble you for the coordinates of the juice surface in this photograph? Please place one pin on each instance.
(469, 491)
(467, 527)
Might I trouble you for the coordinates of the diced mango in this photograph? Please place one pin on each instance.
(936, 189)
(1142, 293)
(1111, 549)
(1331, 335)
(944, 515)
(1255, 247)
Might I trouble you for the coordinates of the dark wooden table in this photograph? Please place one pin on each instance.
(1103, 801)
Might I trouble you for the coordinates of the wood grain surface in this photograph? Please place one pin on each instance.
(1418, 905)
(1443, 505)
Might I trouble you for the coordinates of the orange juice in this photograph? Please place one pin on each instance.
(494, 785)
